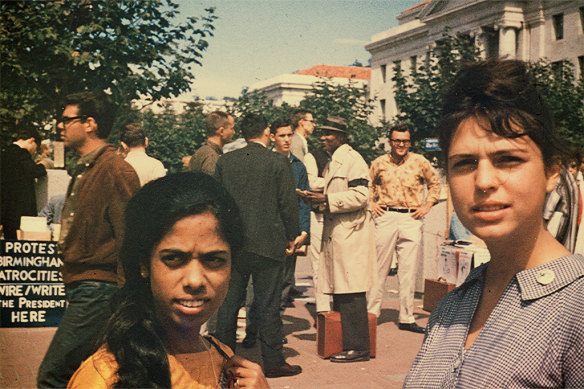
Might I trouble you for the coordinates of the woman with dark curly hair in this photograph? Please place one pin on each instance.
(181, 233)
(518, 320)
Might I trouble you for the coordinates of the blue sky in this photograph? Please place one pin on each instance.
(259, 39)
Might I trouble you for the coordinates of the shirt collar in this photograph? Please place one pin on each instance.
(259, 143)
(215, 146)
(539, 281)
(545, 279)
(89, 158)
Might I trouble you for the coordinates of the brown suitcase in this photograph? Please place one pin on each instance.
(434, 290)
(329, 334)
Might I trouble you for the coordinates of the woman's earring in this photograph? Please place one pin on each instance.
(144, 274)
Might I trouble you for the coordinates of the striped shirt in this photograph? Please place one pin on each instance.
(533, 338)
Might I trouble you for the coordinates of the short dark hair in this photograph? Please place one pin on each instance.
(26, 132)
(215, 120)
(252, 125)
(298, 115)
(279, 123)
(399, 127)
(96, 105)
(502, 94)
(132, 134)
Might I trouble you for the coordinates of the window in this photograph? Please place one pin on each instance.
(382, 104)
(414, 63)
(558, 26)
(383, 73)
(397, 65)
(581, 65)
(582, 19)
(558, 69)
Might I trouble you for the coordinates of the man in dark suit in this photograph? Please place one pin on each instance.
(262, 185)
(17, 180)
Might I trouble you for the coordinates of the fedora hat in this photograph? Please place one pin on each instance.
(335, 123)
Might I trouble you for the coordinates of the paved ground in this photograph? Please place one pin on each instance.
(21, 349)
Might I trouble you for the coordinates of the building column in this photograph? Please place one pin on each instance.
(507, 42)
(480, 41)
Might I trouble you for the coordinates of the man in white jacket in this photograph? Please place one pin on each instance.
(347, 261)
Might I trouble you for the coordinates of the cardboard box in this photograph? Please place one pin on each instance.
(456, 261)
(33, 228)
(434, 290)
(329, 334)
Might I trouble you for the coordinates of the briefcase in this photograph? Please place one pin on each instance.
(434, 290)
(329, 334)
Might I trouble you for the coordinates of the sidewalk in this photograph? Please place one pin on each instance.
(22, 349)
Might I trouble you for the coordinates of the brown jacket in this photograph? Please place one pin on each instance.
(105, 183)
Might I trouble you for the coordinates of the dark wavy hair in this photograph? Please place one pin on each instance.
(502, 93)
(133, 333)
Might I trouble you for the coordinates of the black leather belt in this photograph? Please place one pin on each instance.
(400, 210)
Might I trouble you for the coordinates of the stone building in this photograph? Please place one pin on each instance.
(523, 29)
(291, 88)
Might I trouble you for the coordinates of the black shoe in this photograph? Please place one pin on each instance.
(286, 370)
(351, 356)
(392, 271)
(248, 341)
(295, 292)
(413, 327)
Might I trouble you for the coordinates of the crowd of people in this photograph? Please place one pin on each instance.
(157, 267)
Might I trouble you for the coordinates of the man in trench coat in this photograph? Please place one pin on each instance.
(347, 267)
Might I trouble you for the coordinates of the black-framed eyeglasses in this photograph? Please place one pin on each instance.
(400, 142)
(66, 120)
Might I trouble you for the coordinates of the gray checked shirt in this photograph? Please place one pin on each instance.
(534, 338)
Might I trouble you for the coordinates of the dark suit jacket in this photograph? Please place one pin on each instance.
(17, 181)
(262, 184)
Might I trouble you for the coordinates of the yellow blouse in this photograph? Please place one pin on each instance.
(99, 371)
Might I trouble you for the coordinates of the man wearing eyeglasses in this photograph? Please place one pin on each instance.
(303, 123)
(91, 234)
(398, 206)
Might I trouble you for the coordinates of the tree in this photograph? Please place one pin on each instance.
(128, 48)
(419, 95)
(172, 136)
(352, 103)
(257, 102)
(326, 98)
(564, 95)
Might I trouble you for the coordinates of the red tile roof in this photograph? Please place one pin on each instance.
(355, 72)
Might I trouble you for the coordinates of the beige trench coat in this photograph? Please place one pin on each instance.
(348, 260)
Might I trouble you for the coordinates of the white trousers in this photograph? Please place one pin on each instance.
(323, 301)
(401, 234)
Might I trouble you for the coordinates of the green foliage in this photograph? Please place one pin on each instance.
(419, 95)
(351, 103)
(564, 95)
(326, 98)
(172, 136)
(257, 102)
(127, 48)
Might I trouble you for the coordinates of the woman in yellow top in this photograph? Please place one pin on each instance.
(181, 233)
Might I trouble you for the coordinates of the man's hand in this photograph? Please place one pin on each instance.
(376, 209)
(290, 247)
(245, 374)
(299, 241)
(316, 197)
(422, 211)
